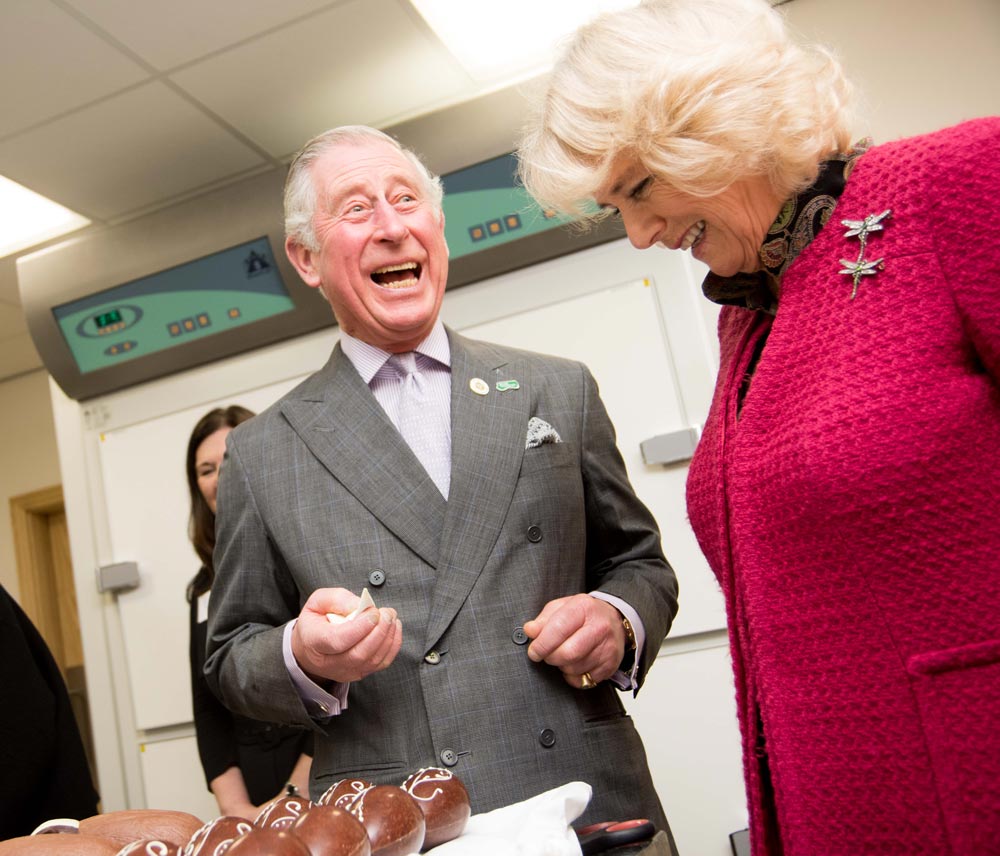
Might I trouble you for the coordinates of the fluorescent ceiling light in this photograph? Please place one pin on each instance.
(27, 218)
(494, 41)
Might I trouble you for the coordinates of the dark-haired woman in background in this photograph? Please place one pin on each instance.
(246, 762)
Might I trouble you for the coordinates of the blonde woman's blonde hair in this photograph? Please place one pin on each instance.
(701, 92)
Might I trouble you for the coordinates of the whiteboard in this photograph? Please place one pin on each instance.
(629, 356)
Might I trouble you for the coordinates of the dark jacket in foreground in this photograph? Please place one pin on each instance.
(43, 768)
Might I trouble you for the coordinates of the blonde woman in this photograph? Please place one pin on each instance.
(845, 487)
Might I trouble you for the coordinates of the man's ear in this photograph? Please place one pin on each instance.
(304, 261)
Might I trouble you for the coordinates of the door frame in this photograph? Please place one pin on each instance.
(29, 515)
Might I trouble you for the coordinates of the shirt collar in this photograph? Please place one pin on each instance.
(368, 359)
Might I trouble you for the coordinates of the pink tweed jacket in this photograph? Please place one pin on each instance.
(851, 511)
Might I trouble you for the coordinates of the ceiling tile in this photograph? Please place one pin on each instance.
(128, 152)
(366, 61)
(169, 34)
(51, 63)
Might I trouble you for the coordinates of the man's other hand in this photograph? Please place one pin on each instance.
(578, 634)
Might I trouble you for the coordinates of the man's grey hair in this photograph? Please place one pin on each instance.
(300, 191)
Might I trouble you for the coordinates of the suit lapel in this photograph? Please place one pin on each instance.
(487, 444)
(347, 430)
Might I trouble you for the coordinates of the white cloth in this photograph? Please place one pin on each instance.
(538, 826)
(425, 425)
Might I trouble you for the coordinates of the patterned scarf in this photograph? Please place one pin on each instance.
(799, 221)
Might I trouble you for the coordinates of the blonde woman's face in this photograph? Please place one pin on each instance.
(724, 231)
(208, 463)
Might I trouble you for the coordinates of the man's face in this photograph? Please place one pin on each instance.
(381, 261)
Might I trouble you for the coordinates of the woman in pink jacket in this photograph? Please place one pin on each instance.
(846, 487)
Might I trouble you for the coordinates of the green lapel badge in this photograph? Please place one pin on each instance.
(504, 385)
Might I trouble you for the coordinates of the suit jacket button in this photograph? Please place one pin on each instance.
(377, 577)
(519, 636)
(449, 757)
(547, 737)
(433, 657)
(534, 534)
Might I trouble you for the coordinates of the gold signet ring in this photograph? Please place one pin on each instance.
(586, 682)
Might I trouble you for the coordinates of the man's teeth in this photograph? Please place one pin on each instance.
(402, 266)
(692, 235)
(395, 276)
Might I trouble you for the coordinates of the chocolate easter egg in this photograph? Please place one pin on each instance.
(343, 793)
(331, 831)
(216, 836)
(268, 842)
(282, 812)
(444, 801)
(57, 845)
(150, 847)
(393, 819)
(128, 825)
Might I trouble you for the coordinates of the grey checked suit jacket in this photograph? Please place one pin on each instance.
(321, 490)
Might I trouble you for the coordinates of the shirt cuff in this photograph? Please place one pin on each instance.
(320, 704)
(626, 680)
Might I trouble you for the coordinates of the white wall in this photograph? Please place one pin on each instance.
(919, 64)
(28, 457)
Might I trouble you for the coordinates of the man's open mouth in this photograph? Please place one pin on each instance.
(403, 275)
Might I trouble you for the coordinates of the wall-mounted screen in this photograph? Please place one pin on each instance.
(173, 307)
(493, 226)
(485, 208)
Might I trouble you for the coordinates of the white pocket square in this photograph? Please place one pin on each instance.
(540, 433)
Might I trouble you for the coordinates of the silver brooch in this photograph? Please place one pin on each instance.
(861, 266)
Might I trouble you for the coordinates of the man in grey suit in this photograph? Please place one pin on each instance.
(482, 501)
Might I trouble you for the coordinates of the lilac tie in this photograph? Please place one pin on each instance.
(424, 424)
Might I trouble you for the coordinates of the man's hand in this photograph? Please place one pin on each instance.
(349, 651)
(578, 634)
